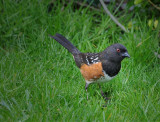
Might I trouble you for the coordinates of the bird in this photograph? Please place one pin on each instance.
(96, 67)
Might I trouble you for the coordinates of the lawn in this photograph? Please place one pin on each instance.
(39, 80)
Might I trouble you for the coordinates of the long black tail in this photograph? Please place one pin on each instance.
(65, 43)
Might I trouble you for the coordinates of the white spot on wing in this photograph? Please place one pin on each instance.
(96, 58)
(87, 60)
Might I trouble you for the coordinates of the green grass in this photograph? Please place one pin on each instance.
(39, 80)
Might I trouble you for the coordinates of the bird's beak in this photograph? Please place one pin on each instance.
(126, 55)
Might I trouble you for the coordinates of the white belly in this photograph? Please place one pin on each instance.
(105, 78)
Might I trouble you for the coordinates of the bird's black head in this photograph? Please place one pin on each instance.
(116, 53)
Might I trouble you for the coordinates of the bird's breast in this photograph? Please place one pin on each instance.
(94, 73)
(111, 68)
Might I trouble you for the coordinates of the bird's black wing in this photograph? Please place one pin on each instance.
(90, 58)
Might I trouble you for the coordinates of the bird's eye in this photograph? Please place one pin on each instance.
(118, 50)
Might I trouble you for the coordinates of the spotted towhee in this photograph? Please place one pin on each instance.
(96, 67)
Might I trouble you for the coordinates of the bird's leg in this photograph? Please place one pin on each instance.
(103, 95)
(101, 90)
(86, 86)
